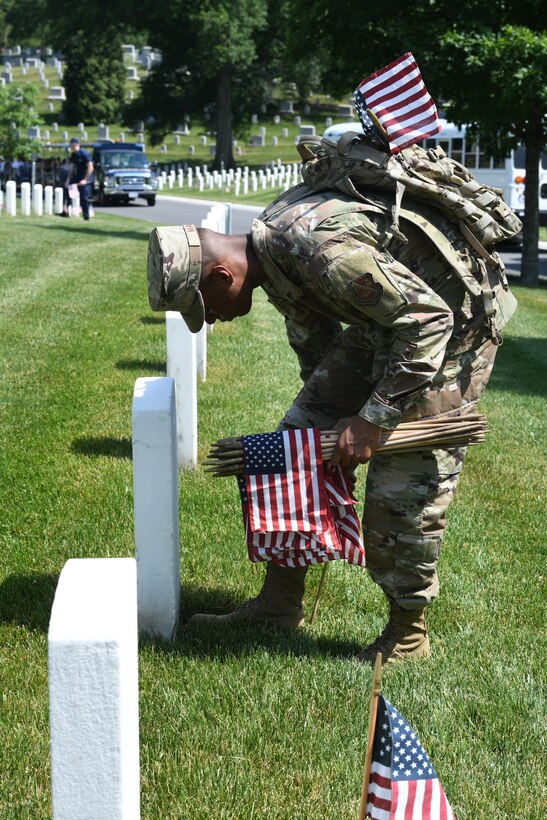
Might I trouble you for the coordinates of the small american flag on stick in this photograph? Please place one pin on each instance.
(403, 784)
(399, 782)
(294, 514)
(397, 98)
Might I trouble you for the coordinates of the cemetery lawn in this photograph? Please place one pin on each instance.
(241, 723)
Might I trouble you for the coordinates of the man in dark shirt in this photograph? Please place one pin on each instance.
(81, 174)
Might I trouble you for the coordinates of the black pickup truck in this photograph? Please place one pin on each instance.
(122, 172)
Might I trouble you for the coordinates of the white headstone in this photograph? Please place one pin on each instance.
(155, 501)
(25, 198)
(56, 92)
(48, 200)
(181, 366)
(11, 197)
(285, 133)
(37, 200)
(59, 200)
(93, 691)
(345, 111)
(307, 130)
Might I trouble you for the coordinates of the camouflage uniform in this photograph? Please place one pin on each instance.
(384, 329)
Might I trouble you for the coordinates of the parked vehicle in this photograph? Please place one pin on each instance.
(508, 175)
(122, 172)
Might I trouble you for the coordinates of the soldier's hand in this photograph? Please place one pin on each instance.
(357, 442)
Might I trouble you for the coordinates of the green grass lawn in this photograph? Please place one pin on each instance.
(239, 723)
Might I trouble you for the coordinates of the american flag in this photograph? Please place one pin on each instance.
(294, 514)
(397, 97)
(403, 784)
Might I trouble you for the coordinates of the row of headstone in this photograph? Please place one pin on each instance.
(39, 200)
(101, 604)
(239, 180)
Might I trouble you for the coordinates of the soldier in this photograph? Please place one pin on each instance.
(384, 332)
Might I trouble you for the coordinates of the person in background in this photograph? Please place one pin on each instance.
(81, 174)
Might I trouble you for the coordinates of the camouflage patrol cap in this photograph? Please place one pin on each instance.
(174, 270)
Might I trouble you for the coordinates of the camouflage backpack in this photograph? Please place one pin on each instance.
(424, 174)
(355, 164)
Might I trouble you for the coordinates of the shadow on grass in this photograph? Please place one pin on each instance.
(106, 446)
(140, 365)
(229, 641)
(87, 229)
(26, 600)
(520, 366)
(153, 320)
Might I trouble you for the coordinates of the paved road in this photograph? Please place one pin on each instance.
(176, 210)
(171, 210)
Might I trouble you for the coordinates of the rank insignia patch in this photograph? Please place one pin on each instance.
(366, 290)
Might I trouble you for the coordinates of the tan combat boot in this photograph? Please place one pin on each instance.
(278, 603)
(405, 636)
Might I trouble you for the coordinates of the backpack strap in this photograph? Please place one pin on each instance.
(481, 290)
(302, 146)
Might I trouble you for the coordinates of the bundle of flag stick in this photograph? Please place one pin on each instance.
(226, 455)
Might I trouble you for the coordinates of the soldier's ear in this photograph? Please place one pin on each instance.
(220, 273)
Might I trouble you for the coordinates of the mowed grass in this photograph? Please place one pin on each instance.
(249, 723)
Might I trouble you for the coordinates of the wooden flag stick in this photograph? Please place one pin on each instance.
(376, 689)
(319, 590)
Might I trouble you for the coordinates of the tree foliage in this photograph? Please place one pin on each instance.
(219, 58)
(90, 41)
(17, 109)
(484, 61)
(94, 79)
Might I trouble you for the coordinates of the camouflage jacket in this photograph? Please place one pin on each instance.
(331, 261)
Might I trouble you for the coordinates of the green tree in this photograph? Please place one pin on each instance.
(90, 42)
(219, 58)
(504, 104)
(94, 78)
(17, 113)
(484, 60)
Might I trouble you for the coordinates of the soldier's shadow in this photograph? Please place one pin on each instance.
(26, 601)
(231, 640)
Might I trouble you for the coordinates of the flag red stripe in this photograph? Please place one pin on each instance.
(389, 118)
(389, 71)
(411, 796)
(402, 128)
(396, 95)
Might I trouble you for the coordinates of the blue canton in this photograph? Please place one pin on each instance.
(264, 453)
(396, 746)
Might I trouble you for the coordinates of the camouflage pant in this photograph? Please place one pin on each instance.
(407, 494)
